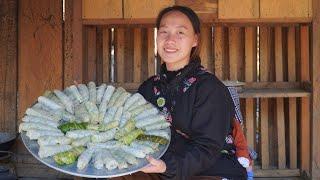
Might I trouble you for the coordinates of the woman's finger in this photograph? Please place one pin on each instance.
(153, 161)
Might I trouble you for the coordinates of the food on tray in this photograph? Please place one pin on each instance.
(107, 126)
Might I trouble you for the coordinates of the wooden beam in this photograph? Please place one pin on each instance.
(250, 70)
(73, 46)
(235, 52)
(91, 58)
(279, 101)
(119, 54)
(137, 58)
(219, 51)
(284, 8)
(106, 54)
(205, 54)
(238, 9)
(102, 9)
(305, 102)
(144, 8)
(265, 36)
(235, 22)
(315, 89)
(272, 173)
(273, 93)
(292, 77)
(8, 65)
(151, 55)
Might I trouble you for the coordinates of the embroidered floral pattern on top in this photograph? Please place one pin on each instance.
(187, 83)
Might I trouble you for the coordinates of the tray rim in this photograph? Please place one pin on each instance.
(24, 138)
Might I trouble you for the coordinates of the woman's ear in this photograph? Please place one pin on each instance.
(196, 40)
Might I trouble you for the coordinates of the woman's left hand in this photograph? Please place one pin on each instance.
(155, 166)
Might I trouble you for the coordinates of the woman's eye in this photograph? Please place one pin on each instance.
(162, 32)
(180, 32)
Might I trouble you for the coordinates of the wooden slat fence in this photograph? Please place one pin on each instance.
(276, 119)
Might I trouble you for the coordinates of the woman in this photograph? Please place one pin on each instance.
(196, 103)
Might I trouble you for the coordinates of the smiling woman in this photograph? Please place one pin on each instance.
(197, 105)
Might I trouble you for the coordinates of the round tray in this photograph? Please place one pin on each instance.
(90, 171)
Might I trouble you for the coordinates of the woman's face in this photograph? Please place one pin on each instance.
(175, 40)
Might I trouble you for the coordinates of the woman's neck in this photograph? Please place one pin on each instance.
(176, 66)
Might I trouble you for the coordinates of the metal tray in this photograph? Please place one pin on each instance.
(89, 171)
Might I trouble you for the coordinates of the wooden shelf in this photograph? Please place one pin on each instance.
(253, 90)
(270, 93)
(276, 173)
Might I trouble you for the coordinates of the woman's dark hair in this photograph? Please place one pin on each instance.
(194, 19)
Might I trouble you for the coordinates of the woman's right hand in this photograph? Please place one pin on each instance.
(155, 166)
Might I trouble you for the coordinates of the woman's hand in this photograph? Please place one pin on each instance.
(155, 166)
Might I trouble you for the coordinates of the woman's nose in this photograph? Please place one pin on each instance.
(171, 37)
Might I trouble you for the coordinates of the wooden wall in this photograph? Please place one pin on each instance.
(8, 65)
(273, 59)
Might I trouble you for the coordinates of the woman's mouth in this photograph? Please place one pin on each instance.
(170, 50)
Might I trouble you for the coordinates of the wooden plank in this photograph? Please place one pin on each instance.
(202, 6)
(218, 40)
(265, 46)
(206, 47)
(250, 54)
(235, 53)
(264, 76)
(102, 9)
(73, 56)
(316, 88)
(273, 93)
(305, 102)
(38, 171)
(106, 55)
(137, 57)
(150, 22)
(151, 53)
(284, 8)
(91, 59)
(144, 8)
(279, 101)
(119, 54)
(275, 85)
(205, 9)
(99, 55)
(8, 65)
(292, 101)
(264, 134)
(40, 62)
(129, 51)
(238, 9)
(272, 173)
(250, 69)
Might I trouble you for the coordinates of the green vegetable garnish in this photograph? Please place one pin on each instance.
(72, 126)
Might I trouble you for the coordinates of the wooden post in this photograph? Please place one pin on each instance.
(250, 76)
(8, 65)
(305, 102)
(205, 53)
(219, 51)
(137, 55)
(279, 101)
(315, 89)
(119, 49)
(264, 77)
(73, 51)
(292, 101)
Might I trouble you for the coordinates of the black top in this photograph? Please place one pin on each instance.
(200, 110)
